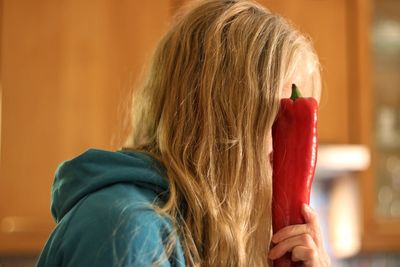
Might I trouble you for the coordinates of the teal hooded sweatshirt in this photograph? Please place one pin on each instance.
(102, 204)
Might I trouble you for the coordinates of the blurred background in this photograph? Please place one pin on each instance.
(67, 66)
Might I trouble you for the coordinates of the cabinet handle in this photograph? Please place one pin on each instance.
(24, 225)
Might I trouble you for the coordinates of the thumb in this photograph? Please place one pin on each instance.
(310, 216)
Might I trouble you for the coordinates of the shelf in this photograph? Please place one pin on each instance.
(334, 160)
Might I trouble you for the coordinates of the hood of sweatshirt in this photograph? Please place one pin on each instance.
(96, 169)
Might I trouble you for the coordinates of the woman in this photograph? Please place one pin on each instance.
(193, 185)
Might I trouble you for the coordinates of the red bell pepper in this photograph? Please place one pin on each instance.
(294, 139)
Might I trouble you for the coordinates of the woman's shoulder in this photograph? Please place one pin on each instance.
(138, 175)
(122, 215)
(105, 213)
(113, 227)
(121, 203)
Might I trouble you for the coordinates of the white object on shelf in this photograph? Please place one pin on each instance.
(334, 160)
(344, 217)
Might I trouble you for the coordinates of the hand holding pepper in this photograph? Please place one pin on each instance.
(304, 241)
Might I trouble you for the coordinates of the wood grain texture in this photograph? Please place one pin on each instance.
(326, 23)
(67, 67)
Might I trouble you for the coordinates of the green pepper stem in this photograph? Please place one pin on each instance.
(295, 92)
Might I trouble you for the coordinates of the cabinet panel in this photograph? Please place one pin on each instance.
(31, 44)
(326, 23)
(66, 65)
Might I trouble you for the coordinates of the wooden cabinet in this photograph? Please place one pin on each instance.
(326, 22)
(381, 191)
(67, 67)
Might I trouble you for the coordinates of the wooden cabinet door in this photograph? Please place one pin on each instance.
(326, 22)
(67, 67)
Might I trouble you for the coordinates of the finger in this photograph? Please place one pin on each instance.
(298, 229)
(305, 254)
(287, 245)
(310, 216)
(290, 231)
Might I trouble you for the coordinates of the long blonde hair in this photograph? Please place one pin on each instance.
(205, 111)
